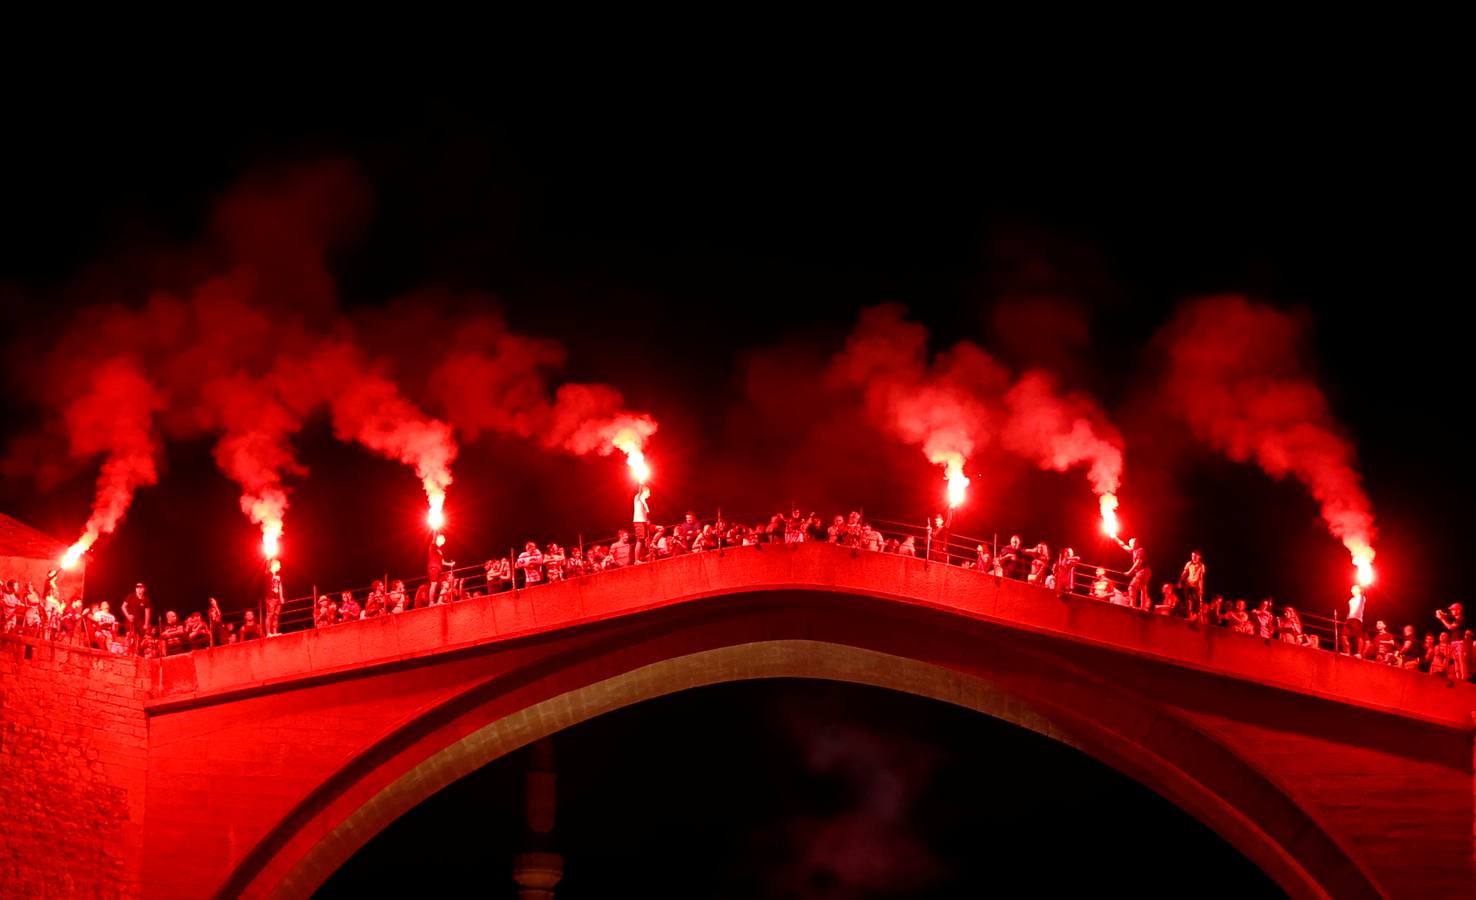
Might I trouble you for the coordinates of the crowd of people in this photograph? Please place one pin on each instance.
(1444, 651)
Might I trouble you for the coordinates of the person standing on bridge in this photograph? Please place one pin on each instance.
(136, 613)
(1454, 620)
(1353, 641)
(1191, 582)
(640, 521)
(1139, 575)
(436, 562)
(530, 563)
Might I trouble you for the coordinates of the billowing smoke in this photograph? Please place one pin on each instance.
(953, 406)
(502, 387)
(114, 418)
(1062, 431)
(369, 409)
(944, 407)
(1236, 375)
(255, 449)
(246, 344)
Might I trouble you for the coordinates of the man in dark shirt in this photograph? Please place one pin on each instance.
(173, 634)
(1012, 561)
(250, 630)
(136, 614)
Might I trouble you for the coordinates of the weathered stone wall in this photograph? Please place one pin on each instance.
(73, 752)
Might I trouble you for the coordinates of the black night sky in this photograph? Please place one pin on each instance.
(685, 253)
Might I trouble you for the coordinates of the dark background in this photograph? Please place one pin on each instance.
(680, 250)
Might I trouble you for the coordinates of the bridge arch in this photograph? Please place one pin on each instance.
(806, 634)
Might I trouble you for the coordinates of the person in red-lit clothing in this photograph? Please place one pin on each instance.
(1138, 573)
(641, 522)
(1191, 582)
(1352, 640)
(554, 563)
(136, 614)
(376, 604)
(436, 563)
(274, 600)
(348, 608)
(530, 563)
(1454, 620)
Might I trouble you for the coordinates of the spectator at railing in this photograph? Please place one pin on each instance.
(1170, 601)
(1012, 561)
(10, 608)
(1427, 651)
(499, 572)
(396, 598)
(377, 603)
(1440, 659)
(250, 628)
(1191, 582)
(1290, 626)
(1101, 587)
(1066, 570)
(348, 608)
(836, 533)
(1454, 620)
(172, 634)
(574, 567)
(530, 564)
(908, 547)
(196, 632)
(323, 612)
(554, 562)
(1040, 563)
(104, 627)
(623, 554)
(1240, 620)
(1407, 655)
(215, 623)
(689, 528)
(1383, 643)
(1265, 620)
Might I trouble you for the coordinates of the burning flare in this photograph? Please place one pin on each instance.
(958, 482)
(1109, 514)
(1364, 564)
(74, 553)
(628, 440)
(437, 516)
(271, 540)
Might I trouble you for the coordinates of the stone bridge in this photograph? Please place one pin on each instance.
(268, 764)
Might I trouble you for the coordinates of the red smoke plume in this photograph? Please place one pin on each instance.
(114, 417)
(944, 408)
(369, 409)
(502, 387)
(952, 407)
(1236, 377)
(248, 346)
(258, 298)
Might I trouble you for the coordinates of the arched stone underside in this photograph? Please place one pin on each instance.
(1167, 752)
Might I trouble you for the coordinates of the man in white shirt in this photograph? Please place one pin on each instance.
(639, 518)
(1353, 632)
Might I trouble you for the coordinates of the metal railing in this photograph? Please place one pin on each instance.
(932, 546)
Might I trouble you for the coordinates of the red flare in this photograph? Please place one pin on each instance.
(629, 441)
(1109, 515)
(271, 540)
(1364, 566)
(958, 483)
(436, 518)
(74, 553)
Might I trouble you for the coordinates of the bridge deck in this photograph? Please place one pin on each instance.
(227, 673)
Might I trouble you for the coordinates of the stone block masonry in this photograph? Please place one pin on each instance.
(73, 753)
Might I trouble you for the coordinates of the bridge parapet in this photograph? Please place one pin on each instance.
(351, 648)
